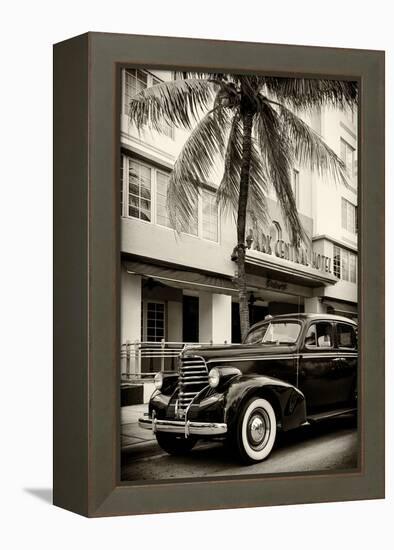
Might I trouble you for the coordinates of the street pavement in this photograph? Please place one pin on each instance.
(330, 445)
(131, 433)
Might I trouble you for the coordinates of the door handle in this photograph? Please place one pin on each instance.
(337, 359)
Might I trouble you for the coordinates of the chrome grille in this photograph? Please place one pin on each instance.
(193, 377)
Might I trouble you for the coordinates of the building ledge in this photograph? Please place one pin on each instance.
(288, 271)
(341, 307)
(338, 242)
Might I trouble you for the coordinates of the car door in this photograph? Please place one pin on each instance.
(317, 367)
(346, 366)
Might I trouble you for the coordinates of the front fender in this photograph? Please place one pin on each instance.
(288, 401)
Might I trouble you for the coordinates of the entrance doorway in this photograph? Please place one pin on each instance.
(190, 320)
(256, 314)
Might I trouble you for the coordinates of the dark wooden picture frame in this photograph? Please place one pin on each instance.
(87, 268)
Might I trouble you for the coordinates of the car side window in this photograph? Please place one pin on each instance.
(319, 335)
(310, 338)
(347, 338)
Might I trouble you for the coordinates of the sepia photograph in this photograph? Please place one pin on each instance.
(204, 242)
(239, 275)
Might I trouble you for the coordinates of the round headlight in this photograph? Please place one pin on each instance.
(158, 380)
(214, 378)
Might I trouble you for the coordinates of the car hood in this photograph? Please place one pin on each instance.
(235, 351)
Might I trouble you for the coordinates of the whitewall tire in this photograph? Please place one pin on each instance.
(255, 430)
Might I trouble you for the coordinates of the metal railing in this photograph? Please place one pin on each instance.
(140, 361)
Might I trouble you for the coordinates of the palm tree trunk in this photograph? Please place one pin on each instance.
(241, 221)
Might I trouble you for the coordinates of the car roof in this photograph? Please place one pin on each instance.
(314, 316)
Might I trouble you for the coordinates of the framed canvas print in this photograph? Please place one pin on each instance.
(218, 274)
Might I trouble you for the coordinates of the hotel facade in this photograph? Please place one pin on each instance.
(179, 288)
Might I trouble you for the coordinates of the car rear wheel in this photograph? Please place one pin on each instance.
(255, 430)
(175, 445)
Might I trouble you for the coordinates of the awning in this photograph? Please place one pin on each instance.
(179, 278)
(347, 309)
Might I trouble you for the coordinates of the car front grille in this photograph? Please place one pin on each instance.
(193, 377)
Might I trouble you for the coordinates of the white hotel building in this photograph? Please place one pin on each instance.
(180, 288)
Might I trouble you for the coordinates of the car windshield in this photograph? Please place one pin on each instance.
(275, 333)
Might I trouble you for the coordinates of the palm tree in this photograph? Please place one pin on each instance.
(250, 122)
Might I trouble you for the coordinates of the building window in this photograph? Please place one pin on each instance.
(166, 129)
(209, 216)
(295, 185)
(146, 188)
(348, 157)
(352, 268)
(349, 216)
(136, 80)
(276, 231)
(191, 227)
(162, 217)
(155, 321)
(136, 184)
(337, 262)
(345, 264)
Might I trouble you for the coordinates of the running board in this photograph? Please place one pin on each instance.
(329, 414)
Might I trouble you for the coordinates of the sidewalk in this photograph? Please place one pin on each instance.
(131, 433)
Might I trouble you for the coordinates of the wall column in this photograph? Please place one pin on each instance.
(175, 318)
(214, 318)
(314, 305)
(130, 318)
(130, 307)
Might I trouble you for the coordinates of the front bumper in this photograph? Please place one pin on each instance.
(183, 428)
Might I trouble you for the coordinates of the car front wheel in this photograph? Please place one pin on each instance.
(175, 445)
(255, 430)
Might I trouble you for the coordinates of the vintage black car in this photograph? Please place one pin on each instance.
(290, 371)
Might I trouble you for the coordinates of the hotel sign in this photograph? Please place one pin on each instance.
(297, 254)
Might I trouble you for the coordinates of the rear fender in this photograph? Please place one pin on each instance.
(288, 401)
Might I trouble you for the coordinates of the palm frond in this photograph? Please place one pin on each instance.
(257, 208)
(228, 192)
(194, 165)
(200, 74)
(309, 93)
(309, 148)
(278, 158)
(176, 102)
